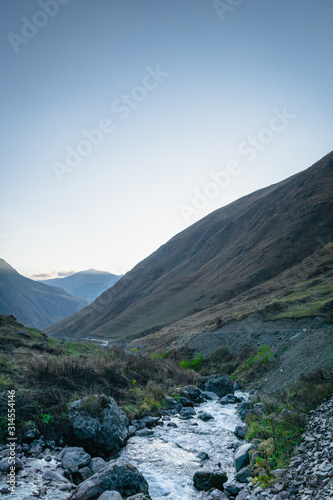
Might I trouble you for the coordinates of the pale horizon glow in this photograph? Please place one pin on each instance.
(178, 94)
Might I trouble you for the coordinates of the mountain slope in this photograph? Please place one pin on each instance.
(32, 303)
(216, 259)
(86, 285)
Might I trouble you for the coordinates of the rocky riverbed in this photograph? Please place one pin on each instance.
(193, 450)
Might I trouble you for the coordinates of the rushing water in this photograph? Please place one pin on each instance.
(168, 459)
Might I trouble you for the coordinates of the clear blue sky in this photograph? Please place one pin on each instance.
(182, 90)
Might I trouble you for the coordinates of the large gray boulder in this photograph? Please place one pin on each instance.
(118, 476)
(220, 384)
(241, 456)
(98, 424)
(73, 455)
(204, 481)
(110, 495)
(5, 465)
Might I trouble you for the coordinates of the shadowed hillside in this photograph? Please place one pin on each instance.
(34, 304)
(217, 259)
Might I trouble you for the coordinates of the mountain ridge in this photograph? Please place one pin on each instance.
(86, 285)
(216, 259)
(32, 303)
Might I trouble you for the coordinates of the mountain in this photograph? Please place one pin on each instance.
(217, 259)
(86, 285)
(32, 303)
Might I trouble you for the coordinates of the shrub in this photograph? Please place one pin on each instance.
(193, 364)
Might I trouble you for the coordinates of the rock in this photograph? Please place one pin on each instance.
(279, 472)
(69, 464)
(232, 488)
(5, 465)
(193, 392)
(185, 401)
(241, 431)
(243, 475)
(204, 481)
(210, 395)
(259, 409)
(173, 404)
(81, 475)
(139, 496)
(203, 455)
(172, 424)
(110, 495)
(65, 487)
(120, 476)
(187, 412)
(241, 456)
(151, 421)
(131, 430)
(50, 475)
(98, 424)
(76, 454)
(220, 384)
(204, 416)
(30, 435)
(144, 432)
(217, 495)
(244, 409)
(230, 399)
(96, 464)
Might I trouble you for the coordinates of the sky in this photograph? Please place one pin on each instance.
(125, 121)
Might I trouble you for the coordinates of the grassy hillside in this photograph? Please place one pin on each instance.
(221, 257)
(47, 374)
(33, 303)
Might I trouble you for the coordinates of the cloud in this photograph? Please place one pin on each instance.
(51, 275)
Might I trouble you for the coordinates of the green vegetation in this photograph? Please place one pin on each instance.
(279, 431)
(47, 374)
(47, 418)
(254, 366)
(192, 364)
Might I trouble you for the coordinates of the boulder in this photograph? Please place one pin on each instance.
(241, 431)
(259, 409)
(192, 392)
(205, 416)
(203, 455)
(204, 481)
(5, 465)
(243, 475)
(139, 496)
(74, 454)
(220, 384)
(69, 464)
(81, 475)
(151, 421)
(96, 464)
(187, 412)
(233, 488)
(50, 475)
(217, 495)
(210, 396)
(230, 399)
(120, 476)
(244, 409)
(144, 432)
(98, 424)
(110, 495)
(172, 404)
(242, 456)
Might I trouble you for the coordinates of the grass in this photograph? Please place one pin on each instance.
(192, 364)
(279, 433)
(47, 374)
